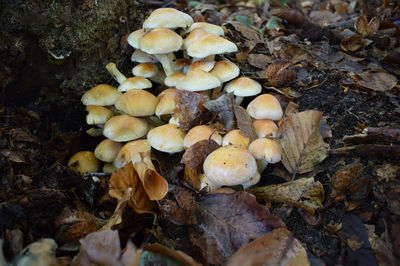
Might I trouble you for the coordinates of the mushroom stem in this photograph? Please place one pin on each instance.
(115, 73)
(238, 100)
(206, 182)
(261, 165)
(159, 77)
(167, 62)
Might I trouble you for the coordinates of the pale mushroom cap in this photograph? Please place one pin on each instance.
(198, 80)
(211, 45)
(146, 70)
(230, 166)
(84, 162)
(243, 87)
(102, 95)
(208, 27)
(137, 103)
(174, 79)
(125, 128)
(225, 70)
(193, 36)
(160, 41)
(265, 106)
(174, 121)
(166, 102)
(237, 138)
(167, 18)
(199, 133)
(265, 128)
(134, 38)
(202, 65)
(266, 149)
(131, 152)
(142, 57)
(134, 83)
(107, 150)
(97, 115)
(166, 138)
(109, 168)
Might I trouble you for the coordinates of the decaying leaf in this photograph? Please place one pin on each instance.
(168, 165)
(116, 217)
(278, 247)
(293, 16)
(222, 108)
(361, 25)
(176, 255)
(248, 33)
(125, 178)
(78, 224)
(244, 122)
(382, 246)
(351, 43)
(377, 81)
(304, 193)
(302, 145)
(259, 60)
(41, 252)
(278, 74)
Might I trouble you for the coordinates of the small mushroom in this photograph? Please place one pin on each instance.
(265, 128)
(265, 151)
(125, 128)
(265, 106)
(97, 115)
(130, 152)
(102, 95)
(137, 103)
(199, 133)
(237, 138)
(167, 18)
(166, 138)
(243, 87)
(84, 162)
(107, 150)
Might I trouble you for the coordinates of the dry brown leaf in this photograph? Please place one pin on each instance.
(125, 178)
(361, 25)
(324, 17)
(292, 16)
(278, 247)
(302, 145)
(176, 255)
(259, 60)
(78, 224)
(244, 122)
(304, 193)
(373, 26)
(351, 43)
(382, 246)
(247, 32)
(116, 217)
(278, 74)
(377, 81)
(222, 108)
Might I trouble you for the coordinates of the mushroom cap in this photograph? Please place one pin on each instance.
(146, 70)
(137, 103)
(167, 18)
(107, 150)
(193, 36)
(230, 166)
(166, 102)
(97, 115)
(166, 138)
(102, 95)
(134, 38)
(225, 70)
(202, 65)
(131, 152)
(243, 87)
(265, 106)
(210, 45)
(208, 27)
(84, 162)
(198, 80)
(267, 149)
(160, 41)
(134, 83)
(174, 79)
(142, 57)
(199, 133)
(265, 128)
(125, 128)
(109, 168)
(237, 138)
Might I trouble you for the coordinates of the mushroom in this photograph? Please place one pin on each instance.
(142, 57)
(97, 115)
(134, 83)
(207, 27)
(125, 128)
(130, 152)
(166, 102)
(225, 70)
(243, 87)
(84, 162)
(265, 128)
(209, 46)
(230, 166)
(265, 151)
(199, 133)
(115, 73)
(137, 103)
(235, 137)
(265, 106)
(166, 138)
(198, 80)
(167, 18)
(150, 71)
(109, 168)
(134, 38)
(202, 65)
(107, 150)
(102, 95)
(174, 79)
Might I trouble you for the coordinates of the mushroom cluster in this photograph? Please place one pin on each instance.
(178, 54)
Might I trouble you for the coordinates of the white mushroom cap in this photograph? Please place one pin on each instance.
(208, 27)
(211, 45)
(160, 41)
(166, 102)
(125, 128)
(137, 103)
(131, 152)
(199, 133)
(243, 87)
(102, 95)
(146, 70)
(193, 36)
(84, 162)
(134, 83)
(166, 138)
(230, 166)
(134, 38)
(174, 79)
(167, 18)
(107, 150)
(237, 138)
(225, 70)
(142, 57)
(202, 65)
(267, 149)
(265, 128)
(198, 80)
(97, 115)
(265, 106)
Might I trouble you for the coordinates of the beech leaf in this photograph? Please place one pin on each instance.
(302, 145)
(377, 81)
(222, 108)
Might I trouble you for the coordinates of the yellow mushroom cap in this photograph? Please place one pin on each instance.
(198, 80)
(199, 133)
(97, 115)
(267, 149)
(107, 150)
(265, 106)
(225, 70)
(174, 79)
(237, 138)
(134, 38)
(202, 65)
(160, 41)
(230, 166)
(125, 128)
(102, 95)
(131, 152)
(142, 57)
(109, 168)
(208, 27)
(135, 83)
(137, 103)
(210, 45)
(195, 35)
(265, 128)
(243, 87)
(84, 162)
(166, 102)
(146, 70)
(167, 18)
(166, 138)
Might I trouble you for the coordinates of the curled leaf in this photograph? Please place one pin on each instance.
(278, 74)
(351, 43)
(361, 25)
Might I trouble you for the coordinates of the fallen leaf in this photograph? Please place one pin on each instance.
(248, 33)
(377, 81)
(278, 74)
(361, 25)
(222, 108)
(302, 145)
(343, 179)
(259, 60)
(373, 26)
(176, 255)
(78, 224)
(292, 16)
(194, 155)
(351, 43)
(278, 247)
(244, 122)
(168, 165)
(304, 193)
(324, 18)
(116, 217)
(382, 246)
